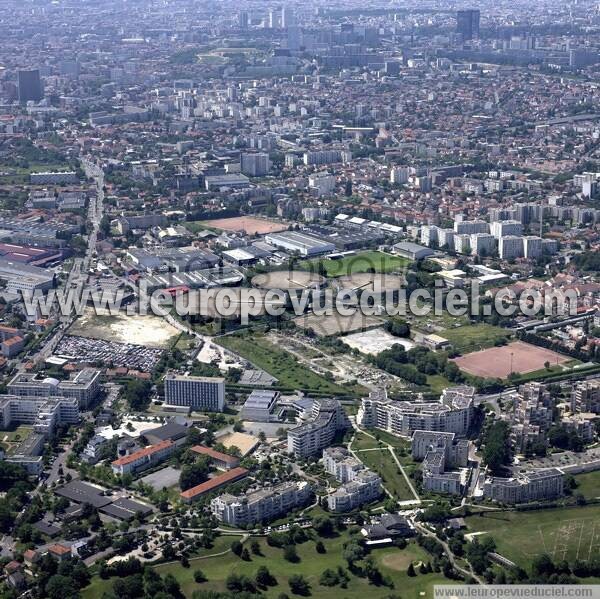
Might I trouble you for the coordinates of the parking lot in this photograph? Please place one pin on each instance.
(127, 355)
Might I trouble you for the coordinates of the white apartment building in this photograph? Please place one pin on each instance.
(482, 244)
(437, 479)
(255, 165)
(585, 397)
(446, 238)
(399, 175)
(364, 488)
(530, 486)
(322, 157)
(340, 463)
(506, 227)
(84, 386)
(429, 235)
(311, 438)
(468, 227)
(322, 183)
(205, 394)
(510, 247)
(44, 413)
(452, 413)
(462, 243)
(456, 451)
(533, 247)
(262, 505)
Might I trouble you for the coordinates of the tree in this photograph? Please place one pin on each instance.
(264, 578)
(323, 525)
(194, 474)
(255, 547)
(411, 570)
(320, 548)
(352, 553)
(290, 554)
(298, 584)
(237, 548)
(137, 394)
(199, 576)
(496, 441)
(245, 555)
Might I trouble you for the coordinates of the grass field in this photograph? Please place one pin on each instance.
(382, 462)
(588, 484)
(474, 337)
(280, 364)
(563, 533)
(363, 262)
(391, 561)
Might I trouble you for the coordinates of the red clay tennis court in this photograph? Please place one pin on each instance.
(496, 361)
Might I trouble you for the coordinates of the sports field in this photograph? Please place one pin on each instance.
(370, 261)
(563, 533)
(515, 357)
(247, 224)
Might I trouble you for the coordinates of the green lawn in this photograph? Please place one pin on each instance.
(474, 337)
(362, 441)
(438, 382)
(382, 462)
(564, 533)
(362, 262)
(588, 484)
(392, 562)
(281, 364)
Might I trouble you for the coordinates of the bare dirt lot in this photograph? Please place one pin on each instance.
(247, 224)
(496, 361)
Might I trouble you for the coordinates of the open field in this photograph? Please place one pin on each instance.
(516, 357)
(392, 562)
(336, 324)
(279, 363)
(382, 462)
(151, 331)
(363, 262)
(247, 224)
(564, 533)
(588, 484)
(474, 337)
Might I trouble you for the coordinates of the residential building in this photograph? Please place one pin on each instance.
(84, 386)
(536, 485)
(255, 165)
(452, 413)
(261, 506)
(309, 439)
(221, 460)
(482, 244)
(363, 488)
(340, 463)
(506, 227)
(510, 247)
(212, 484)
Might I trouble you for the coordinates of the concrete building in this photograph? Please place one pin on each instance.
(45, 413)
(533, 247)
(468, 227)
(309, 439)
(85, 386)
(452, 413)
(462, 243)
(199, 393)
(506, 227)
(341, 464)
(510, 247)
(412, 251)
(300, 243)
(262, 505)
(482, 244)
(30, 86)
(364, 488)
(585, 397)
(537, 485)
(322, 157)
(21, 277)
(255, 165)
(437, 479)
(399, 175)
(260, 405)
(322, 183)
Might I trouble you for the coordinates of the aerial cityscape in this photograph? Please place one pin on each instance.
(299, 299)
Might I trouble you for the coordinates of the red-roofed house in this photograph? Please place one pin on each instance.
(59, 552)
(213, 484)
(144, 458)
(221, 460)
